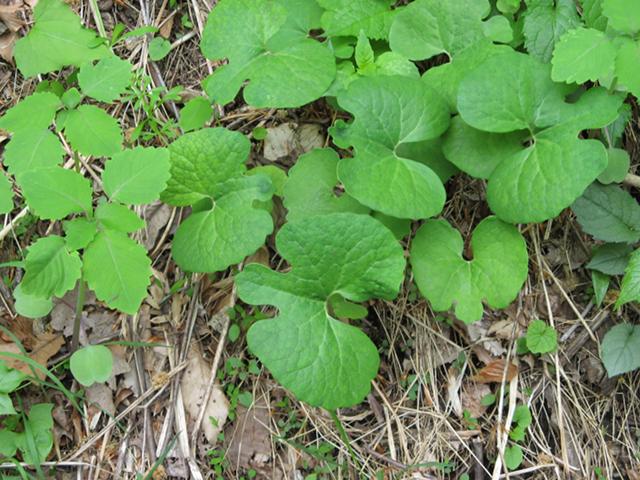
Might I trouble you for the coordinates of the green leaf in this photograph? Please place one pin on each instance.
(430, 153)
(426, 28)
(617, 168)
(118, 217)
(364, 53)
(8, 443)
(349, 17)
(57, 40)
(541, 338)
(276, 174)
(511, 94)
(136, 176)
(284, 67)
(10, 379)
(310, 189)
(610, 258)
(627, 65)
(195, 114)
(6, 194)
(545, 21)
(495, 275)
(54, 193)
(106, 80)
(92, 364)
(508, 7)
(609, 214)
(159, 48)
(592, 14)
(50, 268)
(600, 283)
(92, 131)
(32, 149)
(37, 440)
(344, 309)
(389, 111)
(71, 98)
(79, 232)
(31, 306)
(583, 54)
(6, 407)
(620, 349)
(210, 165)
(630, 290)
(623, 15)
(118, 270)
(513, 456)
(323, 361)
(32, 113)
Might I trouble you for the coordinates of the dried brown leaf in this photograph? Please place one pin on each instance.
(494, 372)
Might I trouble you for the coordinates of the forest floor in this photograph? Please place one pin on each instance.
(435, 409)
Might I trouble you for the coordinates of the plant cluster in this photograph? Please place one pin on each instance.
(520, 85)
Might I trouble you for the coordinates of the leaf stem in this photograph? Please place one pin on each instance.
(98, 18)
(78, 318)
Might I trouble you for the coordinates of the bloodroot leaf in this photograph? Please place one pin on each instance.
(322, 360)
(496, 273)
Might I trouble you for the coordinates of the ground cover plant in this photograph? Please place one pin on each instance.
(531, 102)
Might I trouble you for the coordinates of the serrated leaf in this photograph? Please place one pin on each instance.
(137, 176)
(630, 290)
(92, 131)
(545, 21)
(389, 111)
(71, 98)
(79, 232)
(583, 54)
(106, 80)
(349, 17)
(118, 270)
(6, 194)
(210, 165)
(32, 149)
(609, 214)
(91, 364)
(195, 114)
(50, 268)
(54, 193)
(33, 113)
(610, 258)
(628, 65)
(323, 361)
(363, 53)
(426, 28)
(541, 338)
(270, 49)
(617, 167)
(311, 184)
(600, 283)
(495, 275)
(512, 94)
(620, 349)
(118, 217)
(31, 306)
(57, 40)
(592, 14)
(623, 15)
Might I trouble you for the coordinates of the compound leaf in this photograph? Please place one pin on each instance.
(137, 176)
(54, 193)
(620, 349)
(92, 131)
(57, 40)
(32, 149)
(79, 232)
(34, 113)
(265, 44)
(583, 54)
(389, 111)
(91, 364)
(348, 17)
(545, 21)
(50, 268)
(496, 273)
(105, 80)
(623, 15)
(118, 270)
(631, 281)
(323, 361)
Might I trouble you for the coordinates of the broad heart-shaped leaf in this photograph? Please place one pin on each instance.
(118, 270)
(209, 165)
(6, 194)
(92, 364)
(31, 306)
(545, 21)
(631, 281)
(348, 17)
(608, 213)
(583, 54)
(426, 28)
(92, 131)
(33, 113)
(50, 268)
(136, 176)
(31, 149)
(268, 48)
(541, 338)
(54, 193)
(105, 80)
(527, 137)
(311, 184)
(623, 15)
(389, 111)
(323, 361)
(620, 349)
(57, 40)
(495, 275)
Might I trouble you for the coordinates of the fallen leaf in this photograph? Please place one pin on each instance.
(472, 394)
(46, 346)
(495, 371)
(10, 15)
(280, 141)
(99, 401)
(167, 26)
(7, 42)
